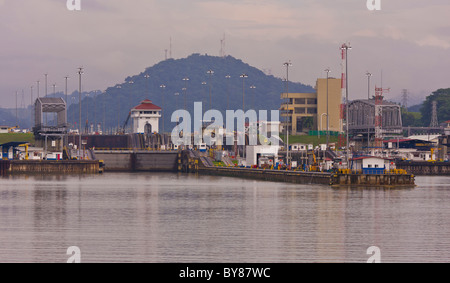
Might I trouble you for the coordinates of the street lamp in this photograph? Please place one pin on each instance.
(46, 76)
(210, 73)
(253, 93)
(31, 100)
(163, 87)
(177, 94)
(287, 65)
(186, 79)
(204, 93)
(368, 98)
(80, 72)
(228, 91)
(118, 110)
(328, 114)
(147, 76)
(346, 47)
(243, 76)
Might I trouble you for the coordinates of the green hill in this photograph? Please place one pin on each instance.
(113, 105)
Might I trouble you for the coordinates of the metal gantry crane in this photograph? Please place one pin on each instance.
(379, 95)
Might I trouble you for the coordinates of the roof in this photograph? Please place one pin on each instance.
(372, 102)
(13, 144)
(407, 140)
(146, 105)
(368, 157)
(51, 100)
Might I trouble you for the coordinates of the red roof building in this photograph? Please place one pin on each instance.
(146, 117)
(147, 105)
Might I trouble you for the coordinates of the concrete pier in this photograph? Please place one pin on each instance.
(135, 161)
(50, 167)
(424, 168)
(269, 175)
(372, 179)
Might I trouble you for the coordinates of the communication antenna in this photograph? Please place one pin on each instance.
(170, 48)
(222, 46)
(434, 117)
(405, 98)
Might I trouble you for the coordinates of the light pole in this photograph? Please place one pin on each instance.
(186, 79)
(80, 72)
(118, 110)
(253, 94)
(46, 76)
(328, 114)
(177, 94)
(228, 91)
(147, 76)
(31, 100)
(163, 87)
(346, 47)
(287, 65)
(210, 73)
(243, 76)
(204, 93)
(368, 98)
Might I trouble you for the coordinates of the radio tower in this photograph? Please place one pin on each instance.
(405, 98)
(222, 47)
(434, 117)
(379, 95)
(342, 139)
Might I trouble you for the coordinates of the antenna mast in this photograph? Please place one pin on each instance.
(222, 46)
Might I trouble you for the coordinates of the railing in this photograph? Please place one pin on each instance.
(375, 172)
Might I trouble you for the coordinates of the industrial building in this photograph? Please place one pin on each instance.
(146, 117)
(303, 112)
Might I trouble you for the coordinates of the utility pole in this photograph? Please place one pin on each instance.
(368, 99)
(345, 47)
(80, 72)
(287, 65)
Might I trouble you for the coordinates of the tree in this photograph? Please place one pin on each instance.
(442, 97)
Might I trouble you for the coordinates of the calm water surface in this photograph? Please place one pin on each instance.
(184, 218)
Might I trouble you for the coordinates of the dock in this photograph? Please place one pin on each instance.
(8, 167)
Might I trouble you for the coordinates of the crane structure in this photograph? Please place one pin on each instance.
(379, 95)
(341, 138)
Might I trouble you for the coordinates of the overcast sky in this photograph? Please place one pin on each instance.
(408, 40)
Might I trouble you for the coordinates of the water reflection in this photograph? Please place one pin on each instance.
(187, 218)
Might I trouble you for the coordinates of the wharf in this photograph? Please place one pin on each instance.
(425, 168)
(269, 175)
(50, 167)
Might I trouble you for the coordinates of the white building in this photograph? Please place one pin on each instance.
(254, 153)
(372, 164)
(146, 117)
(4, 129)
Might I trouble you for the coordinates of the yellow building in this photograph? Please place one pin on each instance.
(308, 111)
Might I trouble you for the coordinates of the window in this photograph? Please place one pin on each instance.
(300, 101)
(312, 110)
(311, 101)
(299, 110)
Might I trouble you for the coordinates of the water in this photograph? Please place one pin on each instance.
(156, 217)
